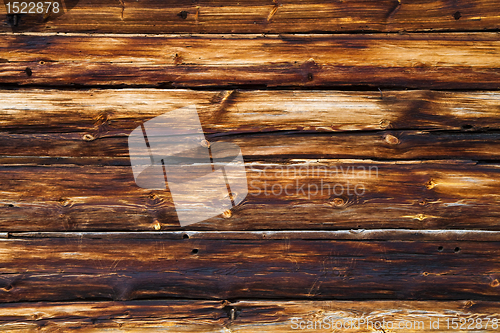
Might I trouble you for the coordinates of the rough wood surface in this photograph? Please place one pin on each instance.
(56, 269)
(251, 16)
(119, 111)
(243, 316)
(412, 236)
(111, 148)
(65, 164)
(91, 127)
(352, 234)
(282, 196)
(451, 61)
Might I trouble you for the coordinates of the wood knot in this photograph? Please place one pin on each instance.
(183, 14)
(384, 124)
(495, 283)
(469, 304)
(154, 199)
(177, 59)
(37, 316)
(338, 202)
(65, 202)
(157, 225)
(391, 139)
(101, 119)
(420, 217)
(430, 184)
(205, 143)
(88, 137)
(7, 288)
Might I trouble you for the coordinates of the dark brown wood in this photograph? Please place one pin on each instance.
(242, 316)
(251, 16)
(416, 218)
(111, 147)
(65, 163)
(319, 196)
(430, 61)
(352, 234)
(54, 269)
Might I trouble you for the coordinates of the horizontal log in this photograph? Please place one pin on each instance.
(307, 195)
(111, 147)
(353, 234)
(119, 111)
(247, 316)
(451, 61)
(56, 269)
(251, 16)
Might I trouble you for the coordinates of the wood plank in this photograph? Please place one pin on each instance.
(251, 16)
(405, 125)
(247, 316)
(53, 178)
(57, 269)
(119, 111)
(112, 148)
(323, 195)
(352, 234)
(451, 61)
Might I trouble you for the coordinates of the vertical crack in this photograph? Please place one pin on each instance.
(273, 11)
(122, 3)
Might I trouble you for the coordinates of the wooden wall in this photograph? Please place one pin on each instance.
(408, 90)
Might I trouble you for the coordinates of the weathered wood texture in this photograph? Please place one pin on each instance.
(401, 125)
(56, 269)
(100, 112)
(322, 165)
(450, 61)
(251, 16)
(284, 196)
(65, 166)
(387, 145)
(352, 234)
(244, 316)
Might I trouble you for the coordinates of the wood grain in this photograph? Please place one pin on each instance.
(307, 195)
(251, 16)
(412, 235)
(352, 234)
(56, 269)
(238, 316)
(91, 127)
(119, 111)
(65, 164)
(430, 61)
(111, 148)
